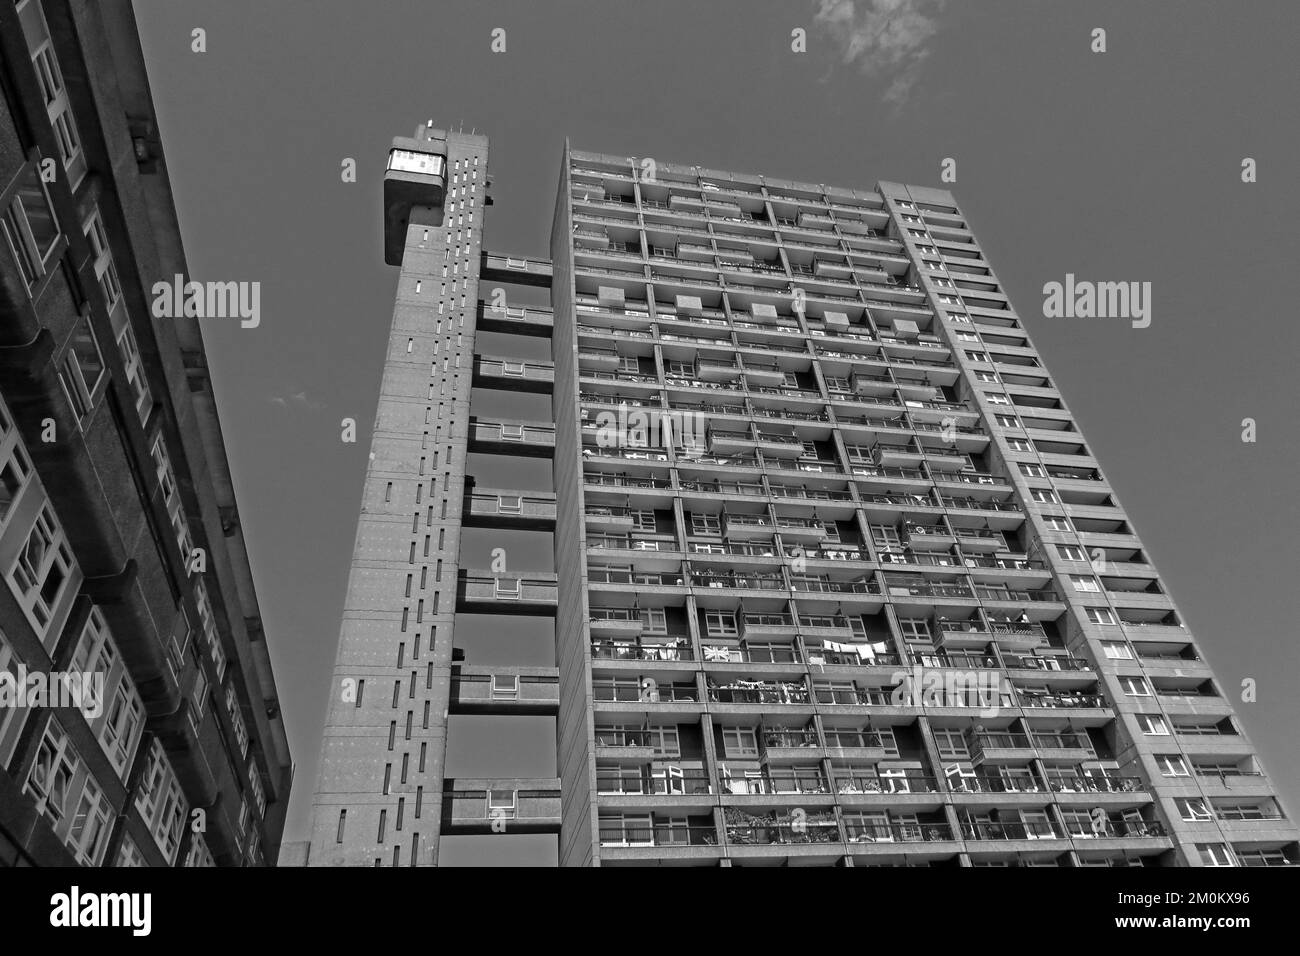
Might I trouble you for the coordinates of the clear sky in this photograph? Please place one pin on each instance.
(1122, 166)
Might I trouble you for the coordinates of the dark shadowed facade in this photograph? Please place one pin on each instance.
(121, 550)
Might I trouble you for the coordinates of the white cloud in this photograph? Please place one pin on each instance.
(297, 400)
(886, 38)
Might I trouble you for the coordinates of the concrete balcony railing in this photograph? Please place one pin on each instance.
(528, 593)
(503, 508)
(504, 690)
(512, 375)
(509, 805)
(508, 437)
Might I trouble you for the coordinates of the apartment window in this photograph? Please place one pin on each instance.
(510, 504)
(951, 744)
(739, 742)
(1056, 523)
(1193, 809)
(654, 621)
(1007, 421)
(1031, 470)
(1068, 551)
(83, 369)
(121, 730)
(643, 520)
(509, 587)
(1086, 583)
(161, 803)
(105, 270)
(914, 629)
(1101, 615)
(237, 718)
(977, 356)
(1117, 650)
(41, 570)
(1214, 854)
(30, 227)
(502, 804)
(1135, 687)
(135, 376)
(505, 687)
(88, 835)
(720, 624)
(1172, 765)
(705, 524)
(512, 432)
(1043, 495)
(1153, 725)
(1018, 444)
(199, 855)
(15, 468)
(52, 773)
(129, 855)
(986, 377)
(209, 625)
(12, 719)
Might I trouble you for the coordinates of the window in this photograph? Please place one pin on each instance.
(994, 398)
(105, 270)
(237, 718)
(209, 626)
(1007, 421)
(1101, 615)
(1068, 551)
(739, 742)
(88, 835)
(1085, 582)
(1172, 765)
(199, 855)
(654, 621)
(643, 520)
(502, 804)
(1044, 495)
(914, 629)
(83, 369)
(1214, 854)
(1117, 650)
(1031, 470)
(1153, 725)
(1135, 686)
(50, 778)
(512, 432)
(1194, 809)
(135, 373)
(128, 854)
(1018, 444)
(15, 468)
(510, 504)
(161, 803)
(30, 227)
(705, 524)
(41, 570)
(720, 624)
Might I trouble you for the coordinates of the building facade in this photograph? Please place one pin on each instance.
(838, 580)
(126, 575)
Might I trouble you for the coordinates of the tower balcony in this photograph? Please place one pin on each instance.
(513, 375)
(504, 691)
(505, 805)
(511, 437)
(482, 591)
